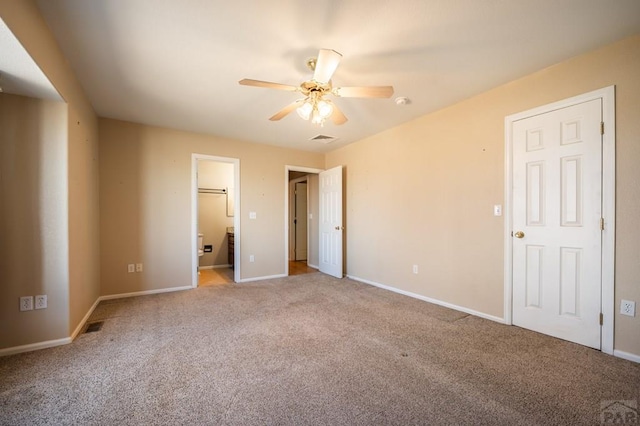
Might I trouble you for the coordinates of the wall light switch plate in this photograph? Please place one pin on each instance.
(497, 210)
(41, 301)
(131, 268)
(252, 258)
(252, 215)
(138, 267)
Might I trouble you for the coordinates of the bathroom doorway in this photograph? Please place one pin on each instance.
(301, 252)
(215, 224)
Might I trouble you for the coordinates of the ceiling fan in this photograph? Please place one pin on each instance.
(314, 106)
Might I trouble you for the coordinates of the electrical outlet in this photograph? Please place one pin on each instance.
(131, 268)
(41, 301)
(252, 258)
(26, 303)
(138, 267)
(415, 269)
(627, 307)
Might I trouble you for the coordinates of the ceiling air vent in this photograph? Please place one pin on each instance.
(323, 139)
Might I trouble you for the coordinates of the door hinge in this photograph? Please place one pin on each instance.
(602, 223)
(602, 127)
(601, 318)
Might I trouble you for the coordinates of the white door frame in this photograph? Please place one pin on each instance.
(288, 169)
(607, 95)
(194, 213)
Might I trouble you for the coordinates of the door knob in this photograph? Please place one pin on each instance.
(338, 228)
(519, 234)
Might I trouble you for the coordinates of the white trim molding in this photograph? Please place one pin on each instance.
(65, 341)
(267, 277)
(204, 268)
(35, 346)
(607, 95)
(219, 266)
(626, 355)
(85, 319)
(143, 293)
(429, 299)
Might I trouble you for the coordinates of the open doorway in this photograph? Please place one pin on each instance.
(215, 224)
(302, 210)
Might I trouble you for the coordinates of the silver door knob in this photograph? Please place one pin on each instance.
(519, 234)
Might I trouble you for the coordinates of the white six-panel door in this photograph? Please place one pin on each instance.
(557, 199)
(331, 222)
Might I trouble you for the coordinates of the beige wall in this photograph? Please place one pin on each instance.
(33, 219)
(25, 21)
(212, 210)
(145, 204)
(422, 193)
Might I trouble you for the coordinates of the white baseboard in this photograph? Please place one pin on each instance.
(35, 346)
(269, 277)
(626, 355)
(84, 320)
(430, 300)
(142, 293)
(76, 332)
(313, 266)
(214, 267)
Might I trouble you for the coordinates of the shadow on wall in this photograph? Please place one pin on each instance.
(33, 218)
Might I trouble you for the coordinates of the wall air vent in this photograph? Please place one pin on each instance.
(323, 139)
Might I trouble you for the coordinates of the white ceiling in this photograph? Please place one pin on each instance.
(176, 63)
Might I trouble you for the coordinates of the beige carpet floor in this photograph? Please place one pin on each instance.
(307, 350)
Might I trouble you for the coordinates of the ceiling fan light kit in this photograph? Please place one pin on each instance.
(314, 107)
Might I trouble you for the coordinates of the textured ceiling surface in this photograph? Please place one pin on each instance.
(177, 63)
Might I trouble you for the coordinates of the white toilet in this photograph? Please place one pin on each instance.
(200, 244)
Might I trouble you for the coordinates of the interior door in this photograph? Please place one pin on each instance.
(300, 221)
(557, 208)
(331, 222)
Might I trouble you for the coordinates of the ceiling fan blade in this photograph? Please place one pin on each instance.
(326, 65)
(267, 84)
(338, 116)
(286, 110)
(364, 92)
